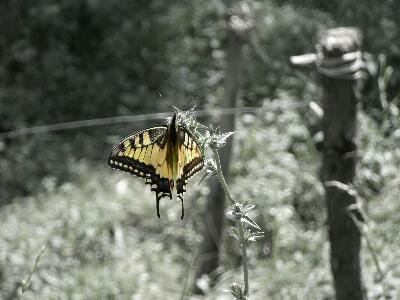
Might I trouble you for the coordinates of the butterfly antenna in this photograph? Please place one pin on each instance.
(188, 102)
(164, 99)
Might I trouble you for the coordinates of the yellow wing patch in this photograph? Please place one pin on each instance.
(190, 158)
(141, 154)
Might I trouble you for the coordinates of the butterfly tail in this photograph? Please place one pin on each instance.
(158, 206)
(183, 209)
(159, 195)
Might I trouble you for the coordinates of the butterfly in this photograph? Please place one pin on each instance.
(166, 156)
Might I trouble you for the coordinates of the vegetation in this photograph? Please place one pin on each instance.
(83, 59)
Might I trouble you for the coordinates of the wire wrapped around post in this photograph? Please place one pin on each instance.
(345, 66)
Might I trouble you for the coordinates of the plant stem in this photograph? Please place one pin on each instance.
(221, 176)
(243, 243)
(25, 284)
(369, 246)
(374, 257)
(189, 274)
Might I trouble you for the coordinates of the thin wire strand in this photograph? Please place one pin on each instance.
(128, 119)
(112, 120)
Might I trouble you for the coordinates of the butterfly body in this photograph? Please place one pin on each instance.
(166, 156)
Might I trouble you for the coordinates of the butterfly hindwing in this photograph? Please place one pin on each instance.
(190, 159)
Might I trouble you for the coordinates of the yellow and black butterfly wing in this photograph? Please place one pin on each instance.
(144, 154)
(190, 160)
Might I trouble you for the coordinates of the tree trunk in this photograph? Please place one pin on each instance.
(339, 161)
(214, 216)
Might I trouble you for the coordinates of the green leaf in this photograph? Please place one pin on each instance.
(235, 231)
(222, 138)
(234, 236)
(250, 222)
(237, 291)
(248, 208)
(256, 236)
(245, 203)
(210, 169)
(207, 174)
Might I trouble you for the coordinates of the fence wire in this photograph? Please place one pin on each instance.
(130, 119)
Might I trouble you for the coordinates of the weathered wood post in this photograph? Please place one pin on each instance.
(239, 23)
(339, 63)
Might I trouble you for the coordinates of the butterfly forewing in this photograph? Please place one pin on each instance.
(144, 154)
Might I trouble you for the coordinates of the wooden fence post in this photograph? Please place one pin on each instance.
(339, 156)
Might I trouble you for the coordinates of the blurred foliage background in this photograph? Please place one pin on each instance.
(85, 59)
